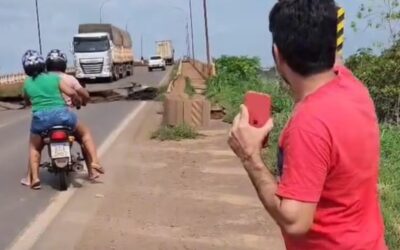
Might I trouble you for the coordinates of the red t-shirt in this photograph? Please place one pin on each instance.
(329, 154)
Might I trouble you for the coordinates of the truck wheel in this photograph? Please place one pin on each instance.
(116, 72)
(124, 71)
(163, 69)
(129, 70)
(150, 69)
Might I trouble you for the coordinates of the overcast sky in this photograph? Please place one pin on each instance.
(237, 27)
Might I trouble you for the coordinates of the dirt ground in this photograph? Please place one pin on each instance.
(178, 195)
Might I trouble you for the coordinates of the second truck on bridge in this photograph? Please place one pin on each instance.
(102, 51)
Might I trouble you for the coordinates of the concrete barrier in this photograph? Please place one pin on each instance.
(179, 108)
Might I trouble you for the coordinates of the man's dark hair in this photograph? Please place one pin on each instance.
(305, 33)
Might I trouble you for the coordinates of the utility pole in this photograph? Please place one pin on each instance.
(207, 38)
(191, 28)
(101, 9)
(187, 39)
(38, 26)
(141, 46)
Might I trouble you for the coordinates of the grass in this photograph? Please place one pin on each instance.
(390, 184)
(161, 91)
(178, 133)
(230, 96)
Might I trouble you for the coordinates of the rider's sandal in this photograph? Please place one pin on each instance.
(36, 185)
(94, 177)
(97, 167)
(25, 182)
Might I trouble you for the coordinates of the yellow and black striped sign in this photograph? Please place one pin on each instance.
(340, 29)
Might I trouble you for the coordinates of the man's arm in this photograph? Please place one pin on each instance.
(74, 83)
(84, 94)
(70, 92)
(294, 217)
(293, 207)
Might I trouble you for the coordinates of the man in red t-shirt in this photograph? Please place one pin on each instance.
(327, 194)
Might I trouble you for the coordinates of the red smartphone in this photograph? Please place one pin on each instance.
(259, 106)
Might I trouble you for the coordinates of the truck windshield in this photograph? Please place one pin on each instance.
(91, 44)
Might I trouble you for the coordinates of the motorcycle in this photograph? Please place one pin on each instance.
(60, 140)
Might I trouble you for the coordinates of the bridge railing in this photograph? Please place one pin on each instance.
(19, 78)
(204, 69)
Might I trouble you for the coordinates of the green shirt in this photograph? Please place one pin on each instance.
(44, 92)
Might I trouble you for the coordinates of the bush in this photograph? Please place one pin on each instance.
(178, 133)
(389, 183)
(381, 75)
(236, 76)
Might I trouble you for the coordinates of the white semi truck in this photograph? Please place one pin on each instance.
(102, 52)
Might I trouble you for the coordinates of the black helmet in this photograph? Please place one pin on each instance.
(33, 63)
(56, 61)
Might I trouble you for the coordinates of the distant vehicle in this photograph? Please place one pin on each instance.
(102, 51)
(166, 50)
(156, 62)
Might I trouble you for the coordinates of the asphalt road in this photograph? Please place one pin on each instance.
(19, 205)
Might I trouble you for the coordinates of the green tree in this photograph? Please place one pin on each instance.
(380, 14)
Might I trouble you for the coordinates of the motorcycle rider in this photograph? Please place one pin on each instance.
(56, 62)
(43, 90)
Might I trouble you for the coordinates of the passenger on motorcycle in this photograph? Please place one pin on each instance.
(56, 62)
(44, 91)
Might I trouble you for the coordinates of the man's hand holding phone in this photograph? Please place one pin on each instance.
(251, 127)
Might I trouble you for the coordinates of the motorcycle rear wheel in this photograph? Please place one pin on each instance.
(63, 180)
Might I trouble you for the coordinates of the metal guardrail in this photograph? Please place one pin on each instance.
(178, 74)
(19, 78)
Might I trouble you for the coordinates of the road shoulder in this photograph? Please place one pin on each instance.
(166, 195)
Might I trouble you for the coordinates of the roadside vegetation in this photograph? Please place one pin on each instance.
(178, 133)
(381, 75)
(237, 75)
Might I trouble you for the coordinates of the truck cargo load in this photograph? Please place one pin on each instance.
(166, 51)
(115, 33)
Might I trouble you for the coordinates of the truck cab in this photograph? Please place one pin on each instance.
(93, 55)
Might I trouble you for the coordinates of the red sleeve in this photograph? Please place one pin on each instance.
(306, 159)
